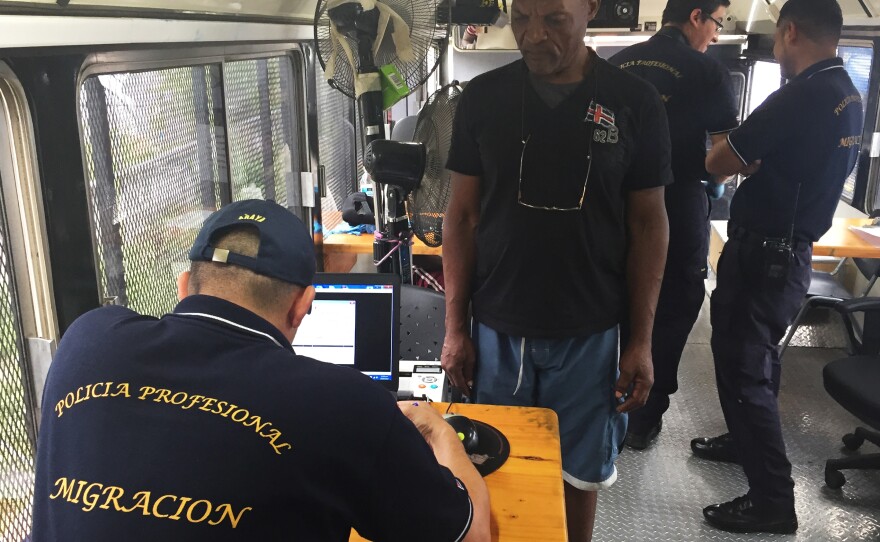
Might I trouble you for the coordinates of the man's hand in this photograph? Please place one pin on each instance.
(751, 169)
(458, 360)
(636, 371)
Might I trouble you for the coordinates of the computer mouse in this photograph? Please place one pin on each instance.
(466, 430)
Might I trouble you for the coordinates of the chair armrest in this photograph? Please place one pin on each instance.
(859, 304)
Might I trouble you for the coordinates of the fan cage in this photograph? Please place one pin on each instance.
(423, 18)
(427, 203)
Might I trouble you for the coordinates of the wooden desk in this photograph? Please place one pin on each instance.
(526, 494)
(343, 243)
(839, 241)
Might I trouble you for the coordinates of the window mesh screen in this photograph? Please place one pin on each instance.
(336, 149)
(260, 98)
(17, 425)
(155, 160)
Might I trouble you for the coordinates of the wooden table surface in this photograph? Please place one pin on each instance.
(343, 243)
(526, 493)
(842, 242)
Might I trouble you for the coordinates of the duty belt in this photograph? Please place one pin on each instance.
(735, 231)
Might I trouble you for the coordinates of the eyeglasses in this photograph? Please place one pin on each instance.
(533, 193)
(718, 26)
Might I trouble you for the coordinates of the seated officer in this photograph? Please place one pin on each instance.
(205, 425)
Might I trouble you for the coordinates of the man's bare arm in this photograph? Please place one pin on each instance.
(459, 258)
(723, 160)
(648, 238)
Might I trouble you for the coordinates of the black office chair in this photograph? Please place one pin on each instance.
(422, 323)
(853, 382)
(826, 291)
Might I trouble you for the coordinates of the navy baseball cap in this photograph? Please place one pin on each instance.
(286, 251)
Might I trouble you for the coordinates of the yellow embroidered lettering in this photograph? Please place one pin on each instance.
(143, 502)
(163, 396)
(79, 488)
(68, 400)
(82, 395)
(231, 408)
(193, 400)
(189, 512)
(257, 423)
(242, 415)
(66, 489)
(145, 391)
(219, 407)
(59, 408)
(226, 511)
(156, 505)
(121, 389)
(114, 492)
(208, 402)
(106, 389)
(176, 515)
(90, 499)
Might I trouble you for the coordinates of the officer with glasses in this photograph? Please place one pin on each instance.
(556, 233)
(697, 92)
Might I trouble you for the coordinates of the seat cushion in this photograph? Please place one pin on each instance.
(854, 382)
(826, 284)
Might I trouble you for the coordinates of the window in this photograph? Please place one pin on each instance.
(766, 80)
(857, 61)
(165, 148)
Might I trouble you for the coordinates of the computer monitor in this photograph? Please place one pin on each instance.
(355, 322)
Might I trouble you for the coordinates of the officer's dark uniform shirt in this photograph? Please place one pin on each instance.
(548, 273)
(808, 132)
(696, 90)
(205, 425)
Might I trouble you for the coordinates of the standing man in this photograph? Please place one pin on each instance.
(555, 233)
(205, 425)
(804, 141)
(697, 92)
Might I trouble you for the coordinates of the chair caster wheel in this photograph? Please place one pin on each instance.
(852, 441)
(834, 479)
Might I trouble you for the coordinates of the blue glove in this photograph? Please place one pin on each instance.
(714, 190)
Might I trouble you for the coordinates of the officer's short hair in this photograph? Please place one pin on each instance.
(679, 11)
(818, 20)
(262, 290)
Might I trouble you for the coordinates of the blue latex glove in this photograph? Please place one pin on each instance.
(714, 190)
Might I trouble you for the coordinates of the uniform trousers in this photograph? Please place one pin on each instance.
(750, 314)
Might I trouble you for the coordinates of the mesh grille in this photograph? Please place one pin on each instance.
(16, 427)
(336, 149)
(154, 151)
(259, 101)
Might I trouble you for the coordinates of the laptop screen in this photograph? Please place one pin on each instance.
(354, 322)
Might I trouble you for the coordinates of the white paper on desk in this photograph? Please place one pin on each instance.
(870, 234)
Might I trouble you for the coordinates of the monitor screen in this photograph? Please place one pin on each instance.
(354, 322)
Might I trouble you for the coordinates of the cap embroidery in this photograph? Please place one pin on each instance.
(255, 218)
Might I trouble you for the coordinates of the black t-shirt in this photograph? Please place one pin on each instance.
(696, 90)
(205, 425)
(807, 133)
(550, 273)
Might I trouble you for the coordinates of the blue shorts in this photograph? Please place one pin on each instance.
(575, 377)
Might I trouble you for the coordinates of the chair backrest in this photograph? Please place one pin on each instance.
(870, 269)
(422, 323)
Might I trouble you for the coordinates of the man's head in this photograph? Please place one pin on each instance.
(807, 31)
(699, 20)
(550, 35)
(258, 255)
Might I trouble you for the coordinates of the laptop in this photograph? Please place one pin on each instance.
(355, 322)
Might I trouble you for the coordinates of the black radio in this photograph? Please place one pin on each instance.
(777, 259)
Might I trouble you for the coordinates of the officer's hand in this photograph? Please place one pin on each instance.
(636, 377)
(428, 421)
(458, 359)
(714, 190)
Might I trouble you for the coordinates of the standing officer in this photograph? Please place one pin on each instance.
(696, 90)
(804, 141)
(553, 233)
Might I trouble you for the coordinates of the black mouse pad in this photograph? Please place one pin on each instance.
(492, 451)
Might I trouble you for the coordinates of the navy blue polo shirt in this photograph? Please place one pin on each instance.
(808, 134)
(697, 92)
(549, 273)
(205, 425)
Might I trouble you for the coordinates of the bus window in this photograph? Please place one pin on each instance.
(857, 62)
(261, 113)
(766, 79)
(164, 148)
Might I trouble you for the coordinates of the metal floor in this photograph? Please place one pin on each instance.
(660, 492)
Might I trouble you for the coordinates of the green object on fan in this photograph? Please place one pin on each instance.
(394, 87)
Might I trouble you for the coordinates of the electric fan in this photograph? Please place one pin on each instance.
(427, 202)
(371, 47)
